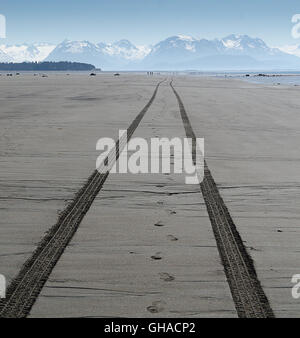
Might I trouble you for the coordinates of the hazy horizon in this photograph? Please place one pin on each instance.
(145, 23)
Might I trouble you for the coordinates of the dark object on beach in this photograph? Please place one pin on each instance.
(17, 73)
(117, 74)
(8, 74)
(93, 74)
(156, 257)
(44, 75)
(247, 75)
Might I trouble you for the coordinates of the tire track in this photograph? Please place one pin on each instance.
(248, 295)
(26, 287)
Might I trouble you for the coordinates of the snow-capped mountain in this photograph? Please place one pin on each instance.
(174, 53)
(125, 49)
(244, 45)
(4, 57)
(185, 45)
(231, 52)
(290, 49)
(120, 53)
(239, 43)
(27, 52)
(79, 51)
(180, 49)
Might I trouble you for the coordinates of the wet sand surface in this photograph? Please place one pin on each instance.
(146, 247)
(48, 130)
(252, 148)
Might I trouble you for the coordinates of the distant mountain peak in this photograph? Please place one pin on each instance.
(126, 50)
(239, 41)
(76, 46)
(291, 49)
(27, 52)
(185, 37)
(4, 57)
(124, 44)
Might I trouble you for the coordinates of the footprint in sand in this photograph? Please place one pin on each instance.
(159, 224)
(166, 277)
(156, 307)
(172, 238)
(157, 256)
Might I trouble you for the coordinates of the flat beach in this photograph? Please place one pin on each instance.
(146, 246)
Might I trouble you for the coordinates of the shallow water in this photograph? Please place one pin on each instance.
(274, 78)
(291, 80)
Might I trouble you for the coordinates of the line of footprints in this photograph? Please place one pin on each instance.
(158, 306)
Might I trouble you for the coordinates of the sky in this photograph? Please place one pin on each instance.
(147, 21)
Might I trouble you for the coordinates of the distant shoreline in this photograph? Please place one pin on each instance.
(46, 66)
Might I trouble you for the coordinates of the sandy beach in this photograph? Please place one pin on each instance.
(146, 247)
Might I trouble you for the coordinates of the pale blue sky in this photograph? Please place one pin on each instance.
(147, 21)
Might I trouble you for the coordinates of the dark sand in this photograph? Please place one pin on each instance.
(48, 130)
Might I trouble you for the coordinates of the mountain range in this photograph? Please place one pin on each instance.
(25, 52)
(180, 52)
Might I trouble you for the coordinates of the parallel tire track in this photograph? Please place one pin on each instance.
(26, 287)
(248, 295)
